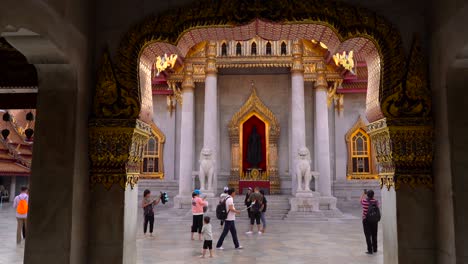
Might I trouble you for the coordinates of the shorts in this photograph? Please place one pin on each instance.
(208, 244)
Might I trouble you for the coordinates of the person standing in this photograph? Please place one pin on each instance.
(197, 212)
(207, 237)
(20, 203)
(370, 227)
(256, 199)
(148, 211)
(247, 202)
(229, 224)
(223, 196)
(264, 207)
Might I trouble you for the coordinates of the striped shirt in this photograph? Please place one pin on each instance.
(365, 205)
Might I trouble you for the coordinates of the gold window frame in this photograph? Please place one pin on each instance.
(157, 134)
(359, 126)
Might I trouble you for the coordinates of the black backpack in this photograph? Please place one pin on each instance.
(373, 213)
(221, 212)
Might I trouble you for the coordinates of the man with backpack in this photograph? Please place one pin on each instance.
(256, 199)
(370, 220)
(21, 205)
(226, 210)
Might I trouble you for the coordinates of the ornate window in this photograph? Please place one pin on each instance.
(224, 49)
(283, 48)
(253, 49)
(238, 49)
(268, 48)
(360, 163)
(152, 165)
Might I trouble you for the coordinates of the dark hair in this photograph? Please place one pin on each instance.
(206, 219)
(146, 192)
(256, 188)
(24, 188)
(194, 194)
(370, 194)
(231, 190)
(262, 192)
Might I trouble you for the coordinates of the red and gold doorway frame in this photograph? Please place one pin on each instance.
(270, 178)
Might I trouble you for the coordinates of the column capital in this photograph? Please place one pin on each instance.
(321, 82)
(210, 67)
(188, 82)
(297, 51)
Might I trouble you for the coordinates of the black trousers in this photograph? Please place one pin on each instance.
(197, 223)
(148, 219)
(370, 231)
(255, 217)
(229, 226)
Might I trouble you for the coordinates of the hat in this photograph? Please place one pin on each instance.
(250, 188)
(197, 192)
(226, 188)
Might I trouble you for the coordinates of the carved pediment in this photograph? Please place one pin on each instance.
(254, 105)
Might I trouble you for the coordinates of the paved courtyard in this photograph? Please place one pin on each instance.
(328, 242)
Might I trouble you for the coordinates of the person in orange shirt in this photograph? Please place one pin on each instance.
(21, 205)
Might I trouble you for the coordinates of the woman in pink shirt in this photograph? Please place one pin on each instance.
(197, 212)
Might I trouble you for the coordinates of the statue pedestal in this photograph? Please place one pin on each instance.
(183, 202)
(305, 194)
(207, 194)
(212, 203)
(304, 202)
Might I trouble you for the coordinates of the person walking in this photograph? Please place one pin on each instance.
(223, 196)
(207, 237)
(20, 203)
(256, 199)
(148, 204)
(264, 207)
(370, 225)
(197, 212)
(229, 224)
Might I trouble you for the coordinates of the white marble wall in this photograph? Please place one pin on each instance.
(166, 122)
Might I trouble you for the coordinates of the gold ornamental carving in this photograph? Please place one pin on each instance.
(112, 100)
(254, 106)
(404, 154)
(116, 151)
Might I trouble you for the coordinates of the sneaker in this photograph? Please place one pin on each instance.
(369, 253)
(249, 232)
(260, 232)
(220, 248)
(239, 247)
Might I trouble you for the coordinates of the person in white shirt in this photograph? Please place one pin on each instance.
(229, 224)
(21, 205)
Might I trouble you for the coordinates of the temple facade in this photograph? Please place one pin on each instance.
(294, 92)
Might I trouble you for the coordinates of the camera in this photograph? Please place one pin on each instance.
(164, 197)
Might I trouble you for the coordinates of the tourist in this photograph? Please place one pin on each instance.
(148, 204)
(247, 202)
(223, 196)
(207, 237)
(20, 203)
(370, 227)
(256, 199)
(197, 212)
(229, 224)
(264, 206)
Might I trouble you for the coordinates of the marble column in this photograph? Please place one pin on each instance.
(187, 143)
(322, 134)
(297, 108)
(12, 188)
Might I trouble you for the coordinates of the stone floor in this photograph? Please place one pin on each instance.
(335, 241)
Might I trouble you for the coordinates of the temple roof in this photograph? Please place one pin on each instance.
(16, 149)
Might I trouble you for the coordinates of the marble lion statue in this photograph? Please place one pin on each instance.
(303, 171)
(207, 166)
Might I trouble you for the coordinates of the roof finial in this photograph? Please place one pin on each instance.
(252, 84)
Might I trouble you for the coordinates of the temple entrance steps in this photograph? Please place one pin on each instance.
(277, 208)
(157, 186)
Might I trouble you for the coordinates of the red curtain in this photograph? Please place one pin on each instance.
(246, 130)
